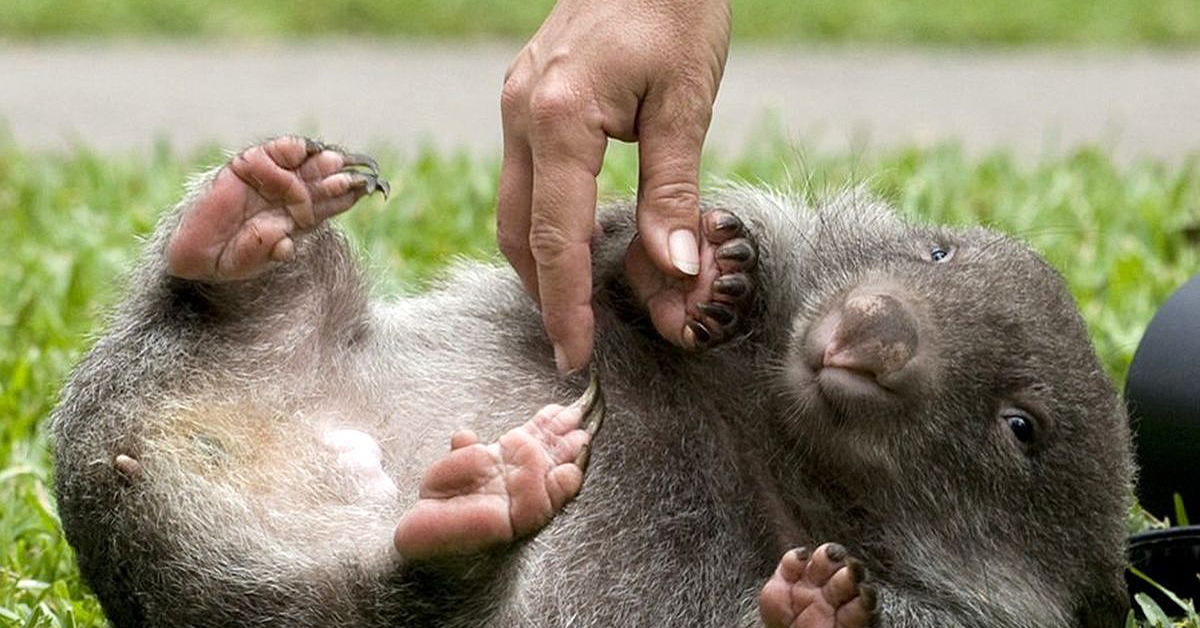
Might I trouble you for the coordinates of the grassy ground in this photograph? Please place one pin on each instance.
(1071, 22)
(1124, 237)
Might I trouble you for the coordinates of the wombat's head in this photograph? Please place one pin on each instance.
(949, 370)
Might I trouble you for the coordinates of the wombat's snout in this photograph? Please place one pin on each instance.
(866, 345)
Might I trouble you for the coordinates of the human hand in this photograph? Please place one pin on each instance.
(643, 71)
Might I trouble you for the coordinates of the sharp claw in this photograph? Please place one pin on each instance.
(592, 405)
(727, 223)
(369, 182)
(312, 146)
(703, 336)
(733, 286)
(358, 159)
(738, 251)
(836, 552)
(721, 314)
(870, 600)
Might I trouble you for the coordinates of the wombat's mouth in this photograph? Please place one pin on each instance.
(862, 351)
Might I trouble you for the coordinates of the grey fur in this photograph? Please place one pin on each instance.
(708, 468)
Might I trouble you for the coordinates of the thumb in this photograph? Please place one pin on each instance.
(668, 207)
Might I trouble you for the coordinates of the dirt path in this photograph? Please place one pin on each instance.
(115, 97)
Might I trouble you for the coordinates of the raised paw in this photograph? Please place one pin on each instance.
(821, 589)
(480, 496)
(260, 201)
(704, 310)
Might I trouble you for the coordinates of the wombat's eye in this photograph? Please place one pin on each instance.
(939, 254)
(1021, 426)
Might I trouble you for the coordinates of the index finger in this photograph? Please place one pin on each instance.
(566, 160)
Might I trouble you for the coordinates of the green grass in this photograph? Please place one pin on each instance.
(1117, 23)
(1123, 235)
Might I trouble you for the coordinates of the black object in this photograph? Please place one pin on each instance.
(1162, 393)
(1171, 558)
(1163, 396)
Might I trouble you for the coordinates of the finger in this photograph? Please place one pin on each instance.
(320, 165)
(670, 139)
(791, 566)
(826, 560)
(457, 472)
(568, 149)
(543, 416)
(513, 206)
(463, 438)
(258, 169)
(288, 151)
(253, 245)
(563, 483)
(565, 421)
(843, 585)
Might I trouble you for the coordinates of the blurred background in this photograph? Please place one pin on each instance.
(1039, 76)
(1070, 123)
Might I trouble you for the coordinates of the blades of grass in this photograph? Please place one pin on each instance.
(1184, 605)
(12, 472)
(33, 618)
(1154, 615)
(1181, 517)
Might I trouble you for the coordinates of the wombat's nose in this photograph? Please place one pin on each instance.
(875, 334)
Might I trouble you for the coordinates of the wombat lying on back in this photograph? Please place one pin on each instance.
(919, 407)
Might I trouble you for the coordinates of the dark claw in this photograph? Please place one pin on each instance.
(858, 572)
(368, 182)
(703, 336)
(836, 552)
(358, 159)
(739, 252)
(591, 402)
(870, 600)
(728, 223)
(733, 287)
(722, 314)
(312, 147)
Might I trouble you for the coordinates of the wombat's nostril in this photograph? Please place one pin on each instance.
(876, 334)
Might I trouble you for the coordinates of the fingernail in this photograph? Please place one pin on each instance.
(685, 251)
(560, 359)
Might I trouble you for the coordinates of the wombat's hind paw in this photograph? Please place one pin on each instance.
(479, 496)
(259, 201)
(821, 589)
(709, 308)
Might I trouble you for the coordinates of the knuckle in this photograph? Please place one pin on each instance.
(675, 199)
(548, 242)
(513, 95)
(553, 101)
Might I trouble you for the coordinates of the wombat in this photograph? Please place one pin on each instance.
(859, 422)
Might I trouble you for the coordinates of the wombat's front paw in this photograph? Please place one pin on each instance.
(821, 589)
(479, 496)
(260, 200)
(709, 308)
